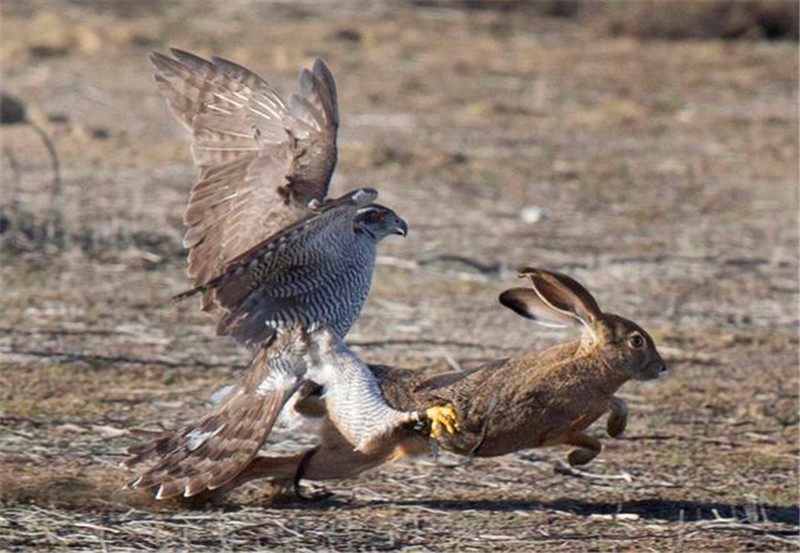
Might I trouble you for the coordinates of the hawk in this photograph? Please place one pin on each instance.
(266, 247)
(268, 251)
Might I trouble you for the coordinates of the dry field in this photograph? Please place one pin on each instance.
(662, 174)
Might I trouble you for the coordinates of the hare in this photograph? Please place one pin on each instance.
(533, 400)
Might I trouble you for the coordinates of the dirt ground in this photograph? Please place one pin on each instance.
(663, 175)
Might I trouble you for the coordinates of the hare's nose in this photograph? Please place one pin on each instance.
(662, 367)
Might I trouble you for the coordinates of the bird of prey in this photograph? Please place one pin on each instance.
(267, 249)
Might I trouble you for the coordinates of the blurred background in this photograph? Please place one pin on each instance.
(649, 149)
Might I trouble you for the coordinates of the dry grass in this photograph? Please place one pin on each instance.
(657, 19)
(711, 19)
(666, 179)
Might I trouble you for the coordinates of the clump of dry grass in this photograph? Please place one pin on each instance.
(46, 225)
(712, 19)
(656, 19)
(22, 231)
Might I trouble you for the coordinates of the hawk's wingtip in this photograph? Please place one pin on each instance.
(364, 196)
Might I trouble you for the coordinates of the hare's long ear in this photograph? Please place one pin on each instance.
(527, 303)
(565, 295)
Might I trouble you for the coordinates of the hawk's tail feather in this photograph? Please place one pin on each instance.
(208, 453)
(148, 450)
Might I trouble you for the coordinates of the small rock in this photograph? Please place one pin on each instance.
(348, 35)
(565, 169)
(100, 133)
(531, 214)
(458, 158)
(47, 50)
(12, 110)
(617, 516)
(109, 431)
(58, 118)
(69, 427)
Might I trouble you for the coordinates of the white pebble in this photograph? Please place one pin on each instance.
(531, 214)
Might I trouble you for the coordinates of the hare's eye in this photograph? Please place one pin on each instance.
(636, 341)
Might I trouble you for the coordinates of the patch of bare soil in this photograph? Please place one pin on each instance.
(662, 174)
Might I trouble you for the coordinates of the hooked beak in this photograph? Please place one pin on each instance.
(401, 228)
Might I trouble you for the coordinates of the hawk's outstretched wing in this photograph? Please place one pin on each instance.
(261, 161)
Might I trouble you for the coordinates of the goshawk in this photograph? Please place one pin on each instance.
(272, 257)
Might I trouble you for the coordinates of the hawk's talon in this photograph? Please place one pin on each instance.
(442, 417)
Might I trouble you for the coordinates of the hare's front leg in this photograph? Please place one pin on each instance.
(618, 419)
(588, 448)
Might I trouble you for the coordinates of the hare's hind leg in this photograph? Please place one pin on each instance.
(335, 458)
(618, 419)
(281, 470)
(284, 472)
(588, 448)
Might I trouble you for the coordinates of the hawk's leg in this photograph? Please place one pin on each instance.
(317, 494)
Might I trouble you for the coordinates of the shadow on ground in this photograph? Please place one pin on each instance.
(653, 509)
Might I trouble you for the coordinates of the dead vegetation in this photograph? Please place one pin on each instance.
(654, 20)
(713, 19)
(664, 175)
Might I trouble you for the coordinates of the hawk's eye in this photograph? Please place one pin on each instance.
(636, 341)
(378, 216)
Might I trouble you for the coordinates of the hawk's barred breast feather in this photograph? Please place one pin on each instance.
(318, 269)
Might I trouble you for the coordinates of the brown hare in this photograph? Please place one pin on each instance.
(532, 400)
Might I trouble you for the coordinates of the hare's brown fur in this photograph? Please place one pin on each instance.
(527, 401)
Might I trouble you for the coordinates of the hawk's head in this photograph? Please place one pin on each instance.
(378, 222)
